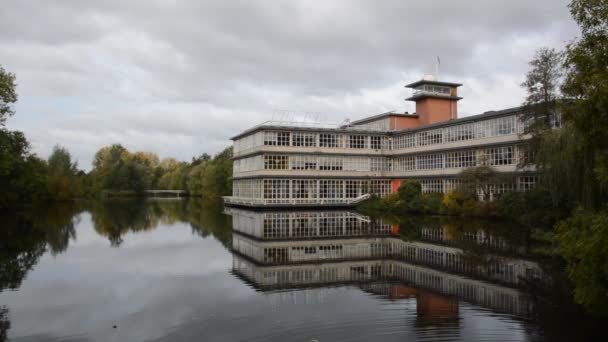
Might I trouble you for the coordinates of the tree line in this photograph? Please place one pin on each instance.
(25, 178)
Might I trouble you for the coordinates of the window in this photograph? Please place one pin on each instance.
(304, 139)
(330, 189)
(499, 155)
(380, 187)
(354, 188)
(526, 183)
(376, 142)
(356, 163)
(405, 163)
(330, 163)
(405, 141)
(276, 138)
(276, 162)
(276, 188)
(304, 188)
(431, 185)
(330, 140)
(429, 161)
(460, 132)
(248, 188)
(460, 159)
(431, 137)
(357, 141)
(299, 162)
(380, 164)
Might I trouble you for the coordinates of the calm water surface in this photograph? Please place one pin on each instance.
(173, 270)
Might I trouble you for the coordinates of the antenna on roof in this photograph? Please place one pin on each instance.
(437, 65)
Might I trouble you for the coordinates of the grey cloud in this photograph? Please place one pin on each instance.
(203, 70)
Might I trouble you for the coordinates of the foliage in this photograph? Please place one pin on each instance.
(213, 177)
(478, 181)
(64, 181)
(452, 202)
(584, 242)
(542, 85)
(8, 95)
(22, 174)
(410, 193)
(431, 203)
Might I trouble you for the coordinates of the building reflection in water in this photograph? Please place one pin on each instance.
(293, 250)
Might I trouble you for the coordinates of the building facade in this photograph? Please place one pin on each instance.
(291, 164)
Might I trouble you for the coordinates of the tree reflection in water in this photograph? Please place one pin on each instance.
(5, 324)
(115, 218)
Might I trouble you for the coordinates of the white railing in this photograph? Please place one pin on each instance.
(248, 201)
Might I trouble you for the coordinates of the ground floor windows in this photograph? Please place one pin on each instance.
(525, 183)
(276, 188)
(308, 190)
(331, 189)
(304, 188)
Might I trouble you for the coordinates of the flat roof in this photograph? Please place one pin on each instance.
(382, 116)
(344, 129)
(420, 82)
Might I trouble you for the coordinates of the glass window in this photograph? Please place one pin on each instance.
(330, 140)
(304, 139)
(273, 162)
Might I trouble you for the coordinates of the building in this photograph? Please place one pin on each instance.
(294, 164)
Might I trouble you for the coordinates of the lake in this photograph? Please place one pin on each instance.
(192, 270)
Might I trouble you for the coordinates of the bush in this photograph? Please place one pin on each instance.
(410, 193)
(451, 203)
(391, 201)
(431, 203)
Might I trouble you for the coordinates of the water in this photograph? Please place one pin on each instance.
(177, 270)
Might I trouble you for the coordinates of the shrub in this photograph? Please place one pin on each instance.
(431, 203)
(410, 193)
(451, 203)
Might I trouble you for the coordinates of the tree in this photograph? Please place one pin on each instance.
(63, 182)
(410, 193)
(477, 181)
(583, 239)
(60, 162)
(8, 95)
(22, 174)
(586, 84)
(540, 108)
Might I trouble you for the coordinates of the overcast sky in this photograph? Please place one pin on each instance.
(180, 77)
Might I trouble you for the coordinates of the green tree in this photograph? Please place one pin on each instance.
(410, 193)
(477, 181)
(63, 181)
(586, 85)
(584, 241)
(8, 95)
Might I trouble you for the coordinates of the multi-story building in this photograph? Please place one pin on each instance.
(295, 164)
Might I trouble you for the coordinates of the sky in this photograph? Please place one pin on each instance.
(180, 77)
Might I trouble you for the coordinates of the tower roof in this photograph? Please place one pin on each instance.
(432, 82)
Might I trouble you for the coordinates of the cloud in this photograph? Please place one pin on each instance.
(180, 77)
